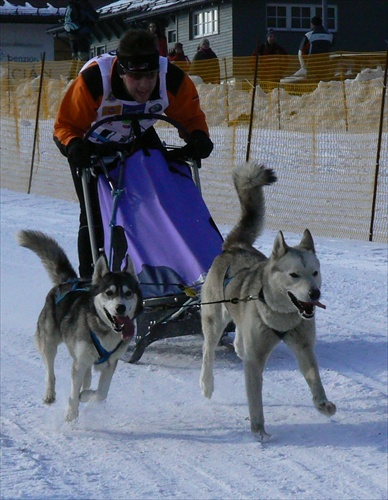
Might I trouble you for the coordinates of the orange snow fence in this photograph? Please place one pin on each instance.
(319, 131)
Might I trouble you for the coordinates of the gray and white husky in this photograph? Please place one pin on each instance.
(96, 320)
(268, 299)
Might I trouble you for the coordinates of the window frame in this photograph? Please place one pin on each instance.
(98, 50)
(289, 16)
(202, 19)
(171, 36)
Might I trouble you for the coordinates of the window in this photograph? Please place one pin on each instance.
(331, 17)
(99, 49)
(171, 36)
(297, 17)
(205, 22)
(301, 18)
(276, 16)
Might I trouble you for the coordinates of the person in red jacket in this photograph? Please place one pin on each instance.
(161, 39)
(136, 79)
(177, 55)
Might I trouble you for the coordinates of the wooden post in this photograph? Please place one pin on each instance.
(378, 150)
(36, 122)
(252, 103)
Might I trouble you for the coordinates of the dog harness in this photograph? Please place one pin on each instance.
(77, 286)
(103, 353)
(260, 296)
(84, 286)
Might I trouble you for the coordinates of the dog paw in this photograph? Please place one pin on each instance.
(327, 408)
(207, 387)
(87, 395)
(207, 392)
(72, 410)
(262, 436)
(71, 415)
(49, 399)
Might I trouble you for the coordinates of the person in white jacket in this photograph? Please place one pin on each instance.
(316, 41)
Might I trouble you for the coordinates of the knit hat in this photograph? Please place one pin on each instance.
(270, 31)
(204, 41)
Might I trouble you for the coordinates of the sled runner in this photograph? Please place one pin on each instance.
(152, 210)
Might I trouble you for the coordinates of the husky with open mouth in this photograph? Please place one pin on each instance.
(268, 299)
(96, 320)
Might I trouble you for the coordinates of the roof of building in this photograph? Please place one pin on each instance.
(57, 7)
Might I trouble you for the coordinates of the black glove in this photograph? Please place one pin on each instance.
(78, 155)
(199, 145)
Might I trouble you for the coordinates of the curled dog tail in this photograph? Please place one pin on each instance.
(50, 253)
(249, 180)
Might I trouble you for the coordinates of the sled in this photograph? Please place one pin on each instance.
(152, 209)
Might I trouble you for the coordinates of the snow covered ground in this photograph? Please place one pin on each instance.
(156, 437)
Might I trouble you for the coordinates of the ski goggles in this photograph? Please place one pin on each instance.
(138, 64)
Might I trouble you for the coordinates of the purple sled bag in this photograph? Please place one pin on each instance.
(161, 222)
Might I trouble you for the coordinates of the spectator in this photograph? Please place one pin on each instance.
(316, 41)
(273, 59)
(160, 37)
(135, 80)
(205, 63)
(80, 17)
(271, 47)
(178, 55)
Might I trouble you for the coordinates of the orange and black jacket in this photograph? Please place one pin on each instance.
(79, 106)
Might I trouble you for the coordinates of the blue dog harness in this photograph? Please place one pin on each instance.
(78, 286)
(84, 286)
(104, 354)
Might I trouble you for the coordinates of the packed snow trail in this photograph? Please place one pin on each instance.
(156, 437)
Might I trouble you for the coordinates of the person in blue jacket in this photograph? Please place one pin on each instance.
(80, 17)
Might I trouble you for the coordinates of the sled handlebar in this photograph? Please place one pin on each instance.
(113, 148)
(135, 118)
